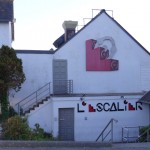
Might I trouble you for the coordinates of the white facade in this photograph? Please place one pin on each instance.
(88, 125)
(96, 96)
(6, 23)
(38, 71)
(6, 34)
(130, 55)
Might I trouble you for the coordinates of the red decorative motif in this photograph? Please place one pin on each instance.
(91, 108)
(130, 107)
(97, 58)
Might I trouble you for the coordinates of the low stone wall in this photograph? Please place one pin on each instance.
(52, 144)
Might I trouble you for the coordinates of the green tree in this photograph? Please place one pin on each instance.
(11, 77)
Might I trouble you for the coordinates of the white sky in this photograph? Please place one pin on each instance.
(39, 22)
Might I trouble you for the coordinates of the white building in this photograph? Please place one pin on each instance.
(6, 22)
(95, 75)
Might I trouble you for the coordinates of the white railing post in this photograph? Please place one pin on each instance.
(112, 131)
(49, 88)
(18, 109)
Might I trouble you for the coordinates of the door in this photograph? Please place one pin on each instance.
(60, 76)
(66, 124)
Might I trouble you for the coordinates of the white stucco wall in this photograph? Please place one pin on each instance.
(88, 125)
(130, 55)
(133, 76)
(42, 115)
(5, 32)
(38, 72)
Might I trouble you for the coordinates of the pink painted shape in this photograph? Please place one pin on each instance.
(91, 108)
(130, 107)
(94, 61)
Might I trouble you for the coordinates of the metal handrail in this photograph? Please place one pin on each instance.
(66, 84)
(34, 98)
(126, 136)
(42, 93)
(109, 132)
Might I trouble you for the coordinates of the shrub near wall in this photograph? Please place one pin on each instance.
(145, 134)
(16, 128)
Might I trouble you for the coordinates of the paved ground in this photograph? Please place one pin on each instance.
(131, 146)
(125, 146)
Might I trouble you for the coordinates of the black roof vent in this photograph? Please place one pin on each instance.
(60, 41)
(69, 27)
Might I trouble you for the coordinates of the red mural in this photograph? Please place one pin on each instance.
(97, 58)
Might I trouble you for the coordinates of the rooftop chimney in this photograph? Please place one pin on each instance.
(69, 27)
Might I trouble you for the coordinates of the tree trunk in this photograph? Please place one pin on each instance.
(4, 105)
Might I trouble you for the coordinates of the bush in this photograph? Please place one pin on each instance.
(39, 134)
(11, 112)
(16, 128)
(143, 133)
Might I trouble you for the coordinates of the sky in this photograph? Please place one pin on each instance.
(39, 22)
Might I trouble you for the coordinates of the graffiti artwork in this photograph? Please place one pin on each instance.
(109, 107)
(99, 56)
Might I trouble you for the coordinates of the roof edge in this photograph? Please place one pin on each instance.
(34, 52)
(128, 34)
(102, 11)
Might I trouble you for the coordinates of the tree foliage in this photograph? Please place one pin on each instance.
(11, 76)
(11, 70)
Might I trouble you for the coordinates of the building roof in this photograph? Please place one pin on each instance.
(6, 11)
(146, 98)
(34, 51)
(101, 12)
(7, 14)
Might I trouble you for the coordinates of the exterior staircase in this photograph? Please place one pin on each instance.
(42, 95)
(37, 104)
(34, 100)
